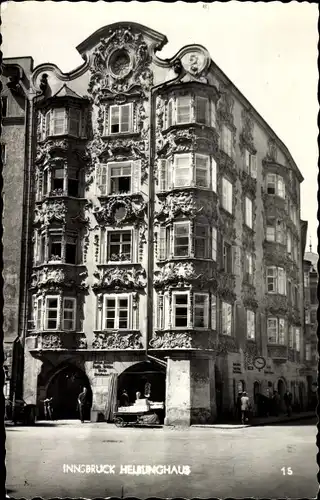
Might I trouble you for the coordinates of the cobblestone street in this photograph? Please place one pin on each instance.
(237, 462)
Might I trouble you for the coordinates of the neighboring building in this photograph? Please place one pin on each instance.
(166, 236)
(310, 267)
(15, 137)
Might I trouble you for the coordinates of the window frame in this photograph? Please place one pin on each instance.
(205, 308)
(276, 275)
(180, 223)
(74, 313)
(278, 183)
(117, 298)
(251, 324)
(224, 312)
(227, 195)
(175, 294)
(130, 119)
(248, 212)
(278, 321)
(106, 250)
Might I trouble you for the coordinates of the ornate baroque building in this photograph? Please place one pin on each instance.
(165, 242)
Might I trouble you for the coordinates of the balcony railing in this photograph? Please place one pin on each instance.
(278, 353)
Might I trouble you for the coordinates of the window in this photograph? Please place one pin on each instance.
(183, 104)
(313, 316)
(119, 245)
(38, 313)
(226, 140)
(227, 257)
(307, 317)
(227, 195)
(69, 314)
(202, 110)
(308, 352)
(248, 275)
(202, 170)
(71, 249)
(251, 329)
(182, 170)
(289, 242)
(275, 185)
(214, 175)
(116, 312)
(170, 114)
(200, 310)
(248, 214)
(74, 121)
(120, 119)
(73, 182)
(181, 238)
(276, 280)
(51, 313)
(297, 332)
(280, 232)
(290, 337)
(120, 179)
(306, 281)
(180, 310)
(58, 121)
(57, 179)
(213, 312)
(276, 330)
(276, 230)
(226, 318)
(250, 162)
(55, 247)
(214, 243)
(4, 106)
(201, 241)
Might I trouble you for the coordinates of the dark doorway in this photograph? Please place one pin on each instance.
(281, 391)
(65, 388)
(147, 378)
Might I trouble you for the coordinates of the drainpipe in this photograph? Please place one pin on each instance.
(150, 215)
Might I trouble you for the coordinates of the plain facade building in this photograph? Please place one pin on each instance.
(166, 239)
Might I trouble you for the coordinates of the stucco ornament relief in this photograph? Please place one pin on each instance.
(246, 139)
(272, 152)
(63, 340)
(50, 211)
(250, 353)
(180, 203)
(120, 62)
(182, 340)
(120, 279)
(117, 340)
(226, 344)
(225, 105)
(119, 210)
(178, 273)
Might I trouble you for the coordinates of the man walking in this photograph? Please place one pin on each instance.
(245, 406)
(82, 401)
(288, 402)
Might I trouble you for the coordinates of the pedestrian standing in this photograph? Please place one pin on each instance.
(238, 406)
(245, 407)
(48, 408)
(276, 403)
(288, 402)
(82, 401)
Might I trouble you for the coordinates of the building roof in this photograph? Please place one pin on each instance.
(65, 91)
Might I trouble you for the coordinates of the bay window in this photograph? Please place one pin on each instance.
(181, 239)
(181, 310)
(276, 185)
(117, 312)
(276, 330)
(182, 170)
(276, 280)
(250, 163)
(176, 241)
(184, 109)
(56, 246)
(201, 243)
(202, 170)
(61, 121)
(60, 181)
(276, 230)
(251, 325)
(186, 170)
(227, 189)
(226, 319)
(248, 212)
(69, 314)
(120, 119)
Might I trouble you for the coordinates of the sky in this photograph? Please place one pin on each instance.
(268, 50)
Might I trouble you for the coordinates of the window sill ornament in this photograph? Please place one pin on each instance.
(120, 62)
(117, 340)
(278, 353)
(179, 203)
(225, 106)
(246, 136)
(132, 207)
(276, 304)
(62, 340)
(226, 344)
(116, 278)
(175, 339)
(180, 274)
(47, 149)
(50, 211)
(52, 279)
(249, 184)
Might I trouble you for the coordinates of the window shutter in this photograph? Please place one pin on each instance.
(254, 166)
(170, 114)
(162, 172)
(114, 119)
(74, 121)
(165, 310)
(49, 123)
(162, 243)
(214, 244)
(126, 118)
(101, 179)
(136, 169)
(214, 174)
(169, 167)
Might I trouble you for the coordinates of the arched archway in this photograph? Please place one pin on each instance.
(64, 387)
(145, 377)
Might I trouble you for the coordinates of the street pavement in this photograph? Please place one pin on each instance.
(230, 462)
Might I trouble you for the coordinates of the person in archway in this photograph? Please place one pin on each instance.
(82, 402)
(276, 403)
(124, 398)
(245, 407)
(288, 402)
(48, 408)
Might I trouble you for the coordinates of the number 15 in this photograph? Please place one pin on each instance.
(287, 471)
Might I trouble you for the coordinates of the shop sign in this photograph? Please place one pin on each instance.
(101, 368)
(236, 367)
